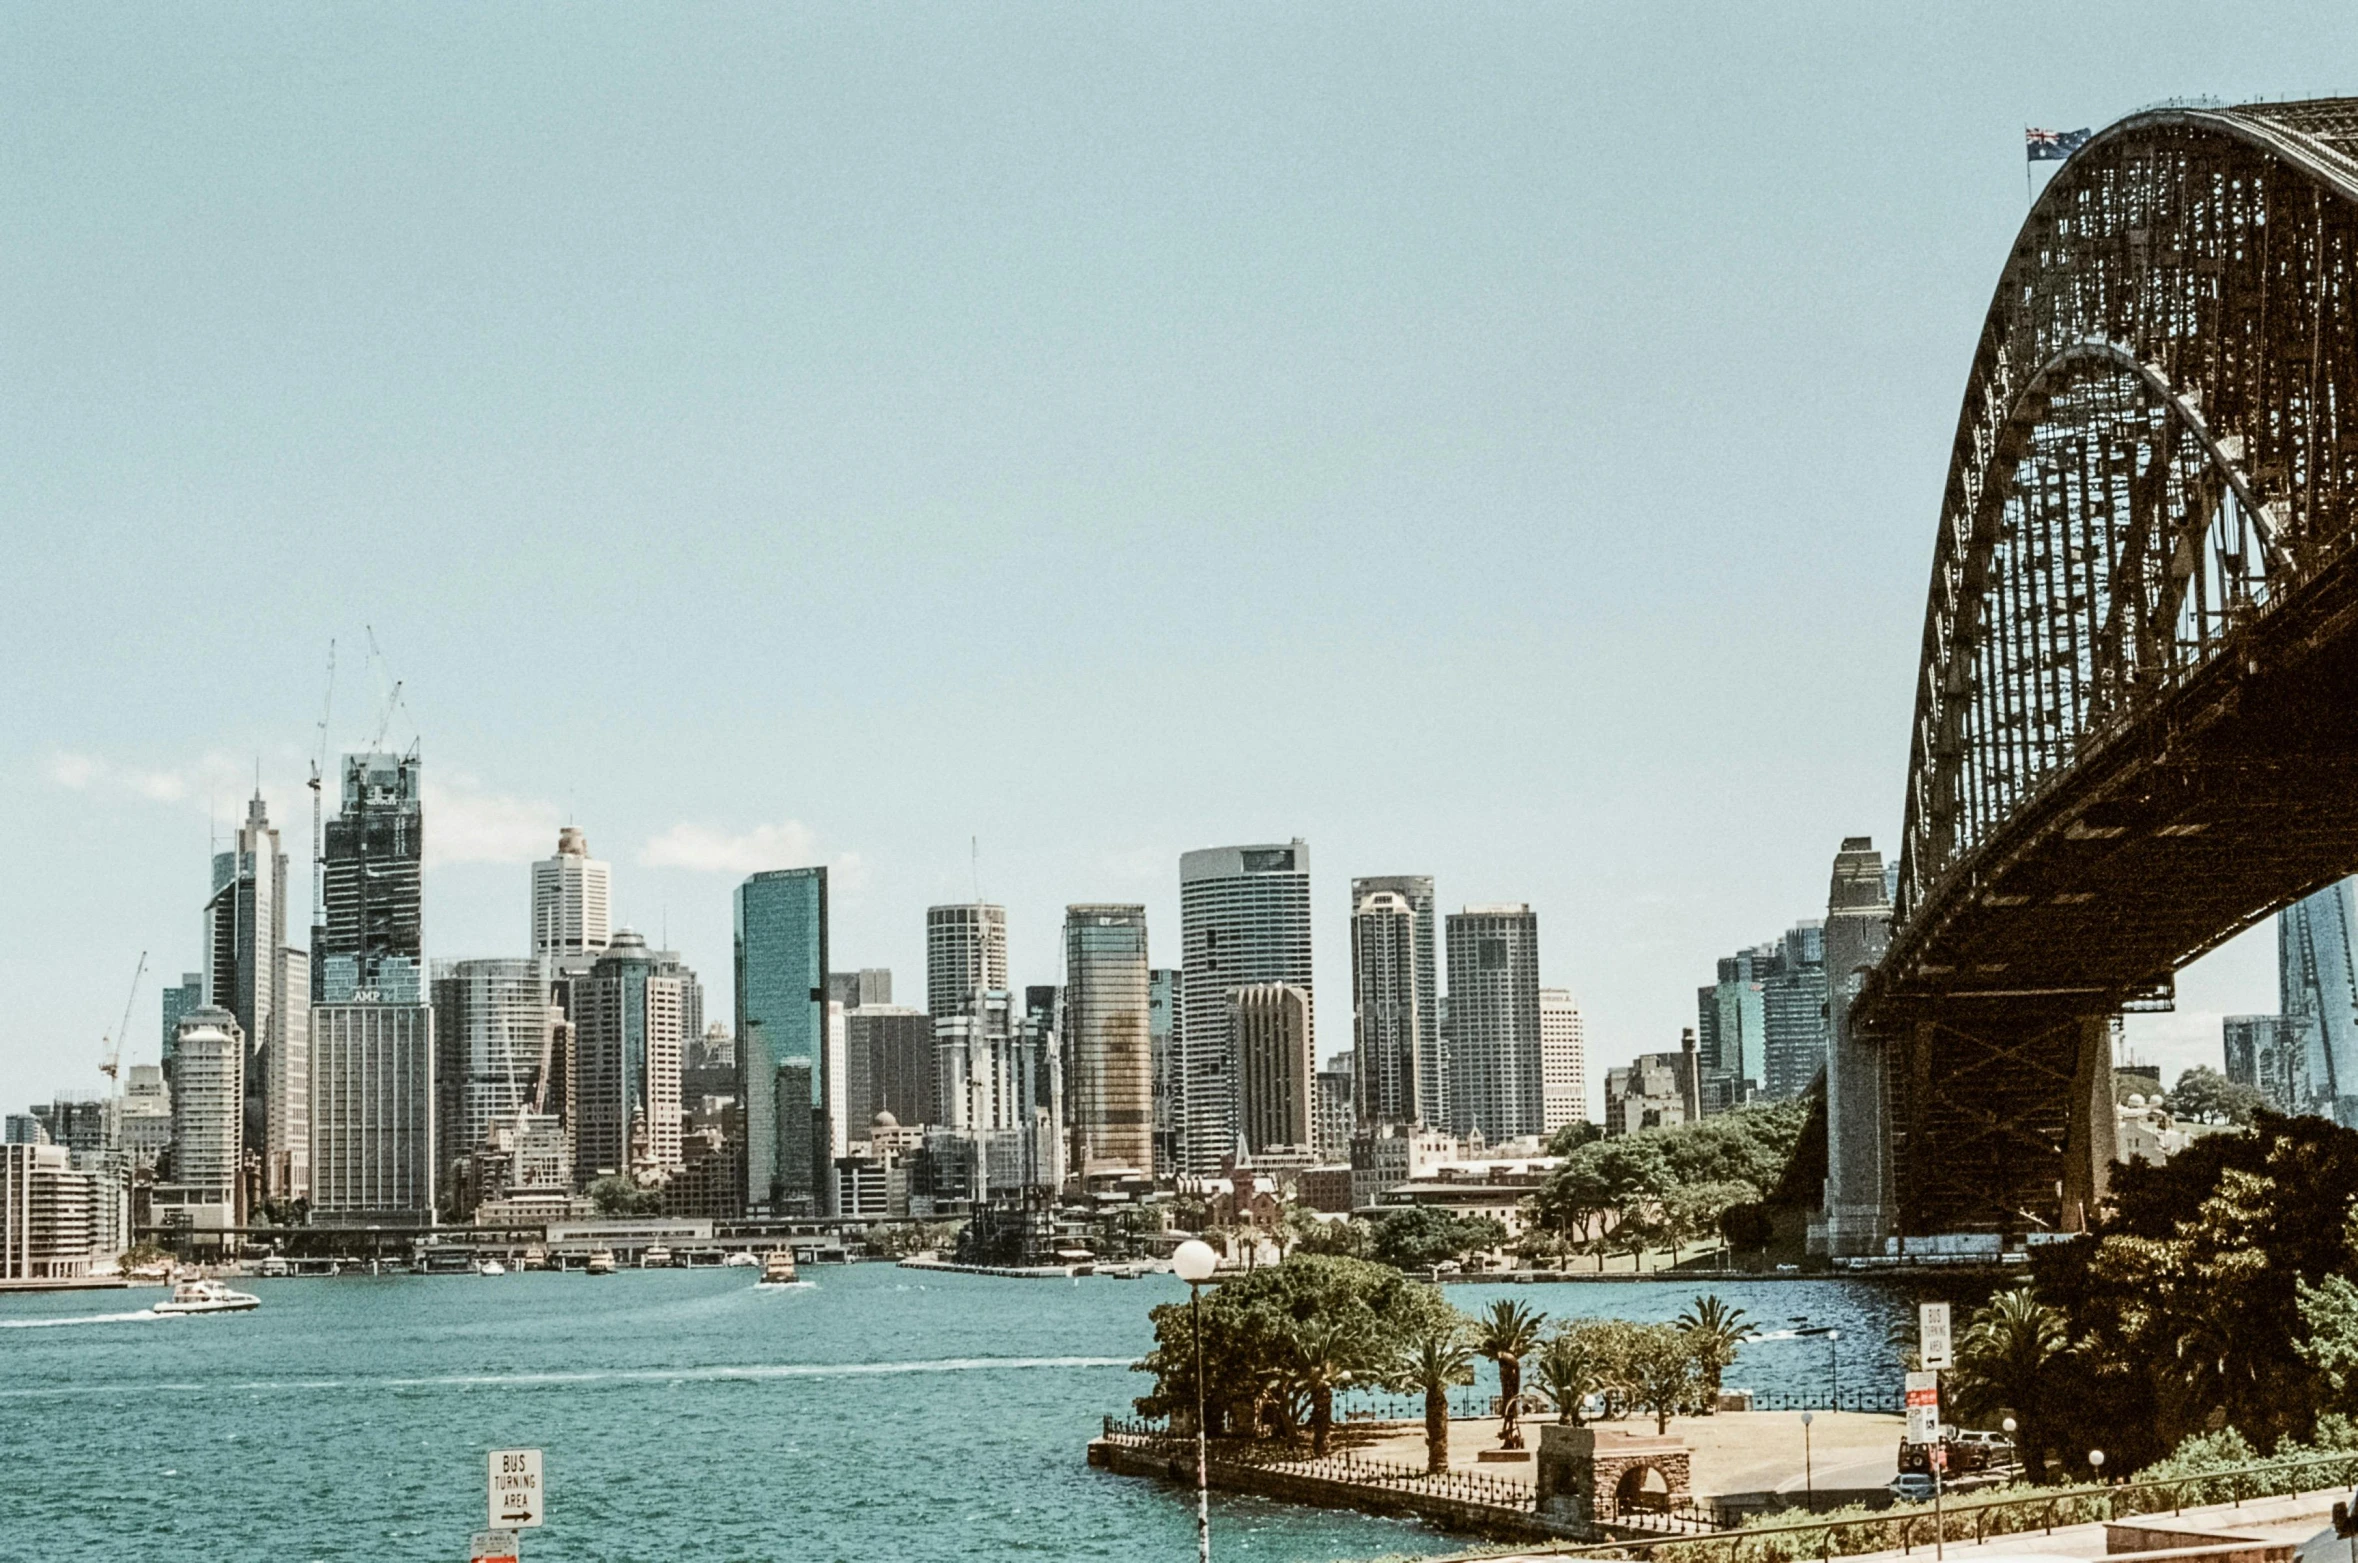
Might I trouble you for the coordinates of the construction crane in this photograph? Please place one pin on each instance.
(392, 696)
(112, 1047)
(327, 705)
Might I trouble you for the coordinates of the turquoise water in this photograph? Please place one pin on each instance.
(875, 1414)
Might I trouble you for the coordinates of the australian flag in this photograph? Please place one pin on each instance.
(2052, 146)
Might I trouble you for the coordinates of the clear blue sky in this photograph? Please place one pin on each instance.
(1498, 442)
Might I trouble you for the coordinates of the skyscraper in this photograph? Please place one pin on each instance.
(965, 949)
(494, 1025)
(1793, 1012)
(1731, 1029)
(2272, 1054)
(372, 1113)
(624, 1106)
(1108, 1041)
(1334, 1117)
(570, 895)
(1000, 1088)
(373, 942)
(1390, 1027)
(1497, 1082)
(250, 972)
(1563, 1060)
(888, 1066)
(178, 1002)
(868, 988)
(1270, 1025)
(207, 1188)
(1163, 989)
(1244, 917)
(1432, 1046)
(2317, 981)
(781, 991)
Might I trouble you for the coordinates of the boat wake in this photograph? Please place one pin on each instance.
(141, 1316)
(712, 1374)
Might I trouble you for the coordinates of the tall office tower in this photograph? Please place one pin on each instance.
(1432, 1047)
(372, 1113)
(178, 1002)
(1334, 1117)
(1793, 1012)
(1269, 1023)
(2317, 979)
(1389, 1021)
(1000, 1088)
(245, 939)
(1244, 918)
(493, 1026)
(832, 1131)
(286, 1083)
(1563, 1061)
(888, 1066)
(781, 994)
(868, 988)
(1858, 1183)
(965, 950)
(624, 1107)
(669, 964)
(1731, 1029)
(373, 942)
(2271, 1054)
(1108, 1042)
(1163, 988)
(571, 892)
(207, 1187)
(1497, 1082)
(146, 1123)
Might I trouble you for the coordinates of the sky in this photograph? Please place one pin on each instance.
(1004, 447)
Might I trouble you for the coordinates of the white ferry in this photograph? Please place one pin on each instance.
(657, 1257)
(742, 1259)
(777, 1269)
(206, 1297)
(601, 1262)
(490, 1267)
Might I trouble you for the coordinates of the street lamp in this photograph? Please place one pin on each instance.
(2096, 1462)
(1834, 1361)
(1194, 1262)
(1809, 1480)
(2006, 1425)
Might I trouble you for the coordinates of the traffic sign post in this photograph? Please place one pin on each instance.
(517, 1496)
(1924, 1428)
(1935, 1349)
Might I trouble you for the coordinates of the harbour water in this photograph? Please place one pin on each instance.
(873, 1414)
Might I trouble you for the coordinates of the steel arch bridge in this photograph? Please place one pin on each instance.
(2136, 711)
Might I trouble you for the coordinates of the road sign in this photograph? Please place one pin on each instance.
(493, 1546)
(1933, 1342)
(516, 1493)
(1923, 1408)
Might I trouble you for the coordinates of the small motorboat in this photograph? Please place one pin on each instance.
(206, 1297)
(777, 1269)
(601, 1262)
(657, 1257)
(741, 1260)
(490, 1267)
(276, 1264)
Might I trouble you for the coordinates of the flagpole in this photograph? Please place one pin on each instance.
(2026, 172)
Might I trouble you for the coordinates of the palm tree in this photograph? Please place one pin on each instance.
(1507, 1334)
(1326, 1356)
(1433, 1362)
(1715, 1331)
(1573, 1366)
(2002, 1362)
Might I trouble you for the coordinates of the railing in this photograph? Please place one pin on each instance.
(1347, 1466)
(1870, 1400)
(1971, 1520)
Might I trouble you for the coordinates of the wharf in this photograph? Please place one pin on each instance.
(1010, 1272)
(71, 1283)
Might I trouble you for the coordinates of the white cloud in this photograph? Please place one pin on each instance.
(710, 851)
(214, 779)
(467, 824)
(848, 873)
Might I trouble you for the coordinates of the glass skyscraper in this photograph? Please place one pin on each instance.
(374, 942)
(1107, 1036)
(781, 950)
(1244, 917)
(2317, 984)
(1431, 1098)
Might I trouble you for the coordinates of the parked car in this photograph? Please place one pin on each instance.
(1912, 1487)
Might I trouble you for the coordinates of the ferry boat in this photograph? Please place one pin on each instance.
(741, 1259)
(206, 1297)
(656, 1257)
(536, 1258)
(777, 1269)
(601, 1262)
(490, 1267)
(276, 1264)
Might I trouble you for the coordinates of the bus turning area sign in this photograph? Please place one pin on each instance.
(516, 1492)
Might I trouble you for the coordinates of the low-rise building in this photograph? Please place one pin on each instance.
(1495, 1187)
(1384, 1154)
(1655, 1090)
(2147, 1131)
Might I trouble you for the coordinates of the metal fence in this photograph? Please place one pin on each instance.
(1872, 1400)
(1477, 1488)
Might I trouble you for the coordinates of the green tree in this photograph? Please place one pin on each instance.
(1327, 1355)
(2329, 1313)
(1507, 1333)
(1350, 1239)
(2004, 1363)
(1578, 1361)
(2207, 1096)
(1420, 1237)
(1433, 1362)
(1716, 1332)
(1253, 1374)
(1748, 1227)
(1662, 1373)
(619, 1196)
(1691, 1211)
(1572, 1136)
